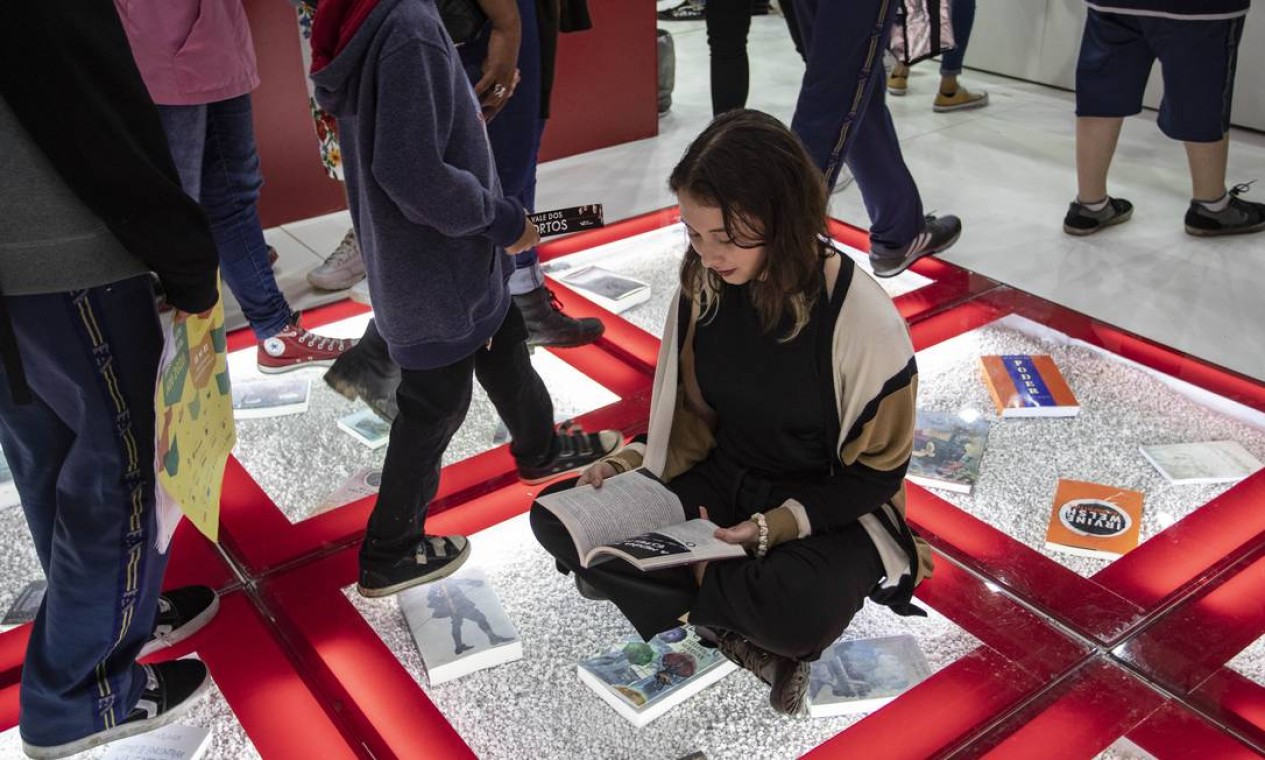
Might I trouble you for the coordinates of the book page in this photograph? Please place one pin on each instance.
(671, 545)
(628, 504)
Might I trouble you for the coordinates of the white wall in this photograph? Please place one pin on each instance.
(1039, 40)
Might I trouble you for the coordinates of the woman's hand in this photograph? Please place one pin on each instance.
(744, 533)
(596, 473)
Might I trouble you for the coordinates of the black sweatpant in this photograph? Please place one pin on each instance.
(795, 602)
(433, 404)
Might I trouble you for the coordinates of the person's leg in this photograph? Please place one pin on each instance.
(789, 12)
(396, 552)
(1115, 62)
(87, 478)
(1208, 162)
(728, 22)
(951, 96)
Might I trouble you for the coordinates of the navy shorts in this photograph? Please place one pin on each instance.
(1197, 59)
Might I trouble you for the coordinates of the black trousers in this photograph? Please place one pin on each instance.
(433, 404)
(795, 602)
(728, 22)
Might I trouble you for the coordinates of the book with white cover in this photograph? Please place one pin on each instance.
(643, 680)
(610, 290)
(862, 675)
(271, 398)
(1210, 462)
(459, 625)
(363, 482)
(25, 605)
(366, 427)
(173, 741)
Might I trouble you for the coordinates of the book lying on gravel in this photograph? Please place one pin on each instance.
(366, 427)
(363, 482)
(1211, 462)
(1094, 520)
(864, 674)
(635, 518)
(644, 679)
(1028, 386)
(947, 451)
(613, 292)
(459, 625)
(271, 398)
(25, 605)
(173, 741)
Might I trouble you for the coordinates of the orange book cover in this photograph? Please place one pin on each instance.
(1025, 385)
(1094, 520)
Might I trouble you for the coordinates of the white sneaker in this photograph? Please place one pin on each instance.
(342, 269)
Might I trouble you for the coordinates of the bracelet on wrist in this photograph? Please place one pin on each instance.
(762, 538)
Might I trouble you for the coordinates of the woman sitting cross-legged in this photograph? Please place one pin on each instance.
(783, 411)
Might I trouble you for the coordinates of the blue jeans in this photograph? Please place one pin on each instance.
(842, 116)
(214, 149)
(82, 455)
(962, 17)
(515, 134)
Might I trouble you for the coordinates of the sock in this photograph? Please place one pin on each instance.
(1096, 205)
(1217, 205)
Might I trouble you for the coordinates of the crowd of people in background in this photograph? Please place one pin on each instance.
(131, 183)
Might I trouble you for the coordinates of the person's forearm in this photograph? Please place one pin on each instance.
(504, 16)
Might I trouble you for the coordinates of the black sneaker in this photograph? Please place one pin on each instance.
(937, 236)
(589, 591)
(365, 371)
(436, 557)
(171, 688)
(573, 450)
(182, 612)
(548, 326)
(787, 678)
(686, 11)
(1239, 217)
(1081, 220)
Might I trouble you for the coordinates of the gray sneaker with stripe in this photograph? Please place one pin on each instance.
(936, 236)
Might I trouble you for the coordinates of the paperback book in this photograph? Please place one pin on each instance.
(864, 674)
(947, 451)
(25, 605)
(366, 427)
(362, 483)
(1211, 462)
(643, 680)
(459, 626)
(271, 398)
(563, 220)
(1024, 385)
(613, 292)
(635, 518)
(1094, 520)
(173, 741)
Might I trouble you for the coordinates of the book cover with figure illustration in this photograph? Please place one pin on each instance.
(643, 680)
(947, 451)
(459, 625)
(862, 675)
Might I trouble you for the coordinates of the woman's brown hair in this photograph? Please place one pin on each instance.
(769, 192)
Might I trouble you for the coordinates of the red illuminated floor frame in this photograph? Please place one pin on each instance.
(1067, 664)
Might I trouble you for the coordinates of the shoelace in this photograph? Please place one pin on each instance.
(1241, 188)
(320, 342)
(554, 304)
(345, 250)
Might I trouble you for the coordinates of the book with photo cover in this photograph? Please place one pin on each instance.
(271, 398)
(459, 625)
(173, 741)
(25, 605)
(635, 518)
(8, 489)
(1210, 462)
(613, 292)
(1094, 520)
(366, 427)
(643, 680)
(862, 675)
(1024, 385)
(947, 451)
(362, 483)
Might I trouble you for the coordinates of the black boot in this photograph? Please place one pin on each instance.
(366, 371)
(548, 326)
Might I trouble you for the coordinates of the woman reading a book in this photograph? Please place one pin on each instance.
(783, 410)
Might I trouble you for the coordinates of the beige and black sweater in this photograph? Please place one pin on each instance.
(875, 384)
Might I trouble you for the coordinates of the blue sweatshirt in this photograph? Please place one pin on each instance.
(422, 186)
(1190, 10)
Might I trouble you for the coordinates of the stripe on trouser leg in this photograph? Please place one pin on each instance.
(134, 543)
(858, 98)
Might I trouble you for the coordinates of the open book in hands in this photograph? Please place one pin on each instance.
(634, 517)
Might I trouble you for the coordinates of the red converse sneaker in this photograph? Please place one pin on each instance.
(295, 347)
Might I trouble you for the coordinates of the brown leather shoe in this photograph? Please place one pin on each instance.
(787, 677)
